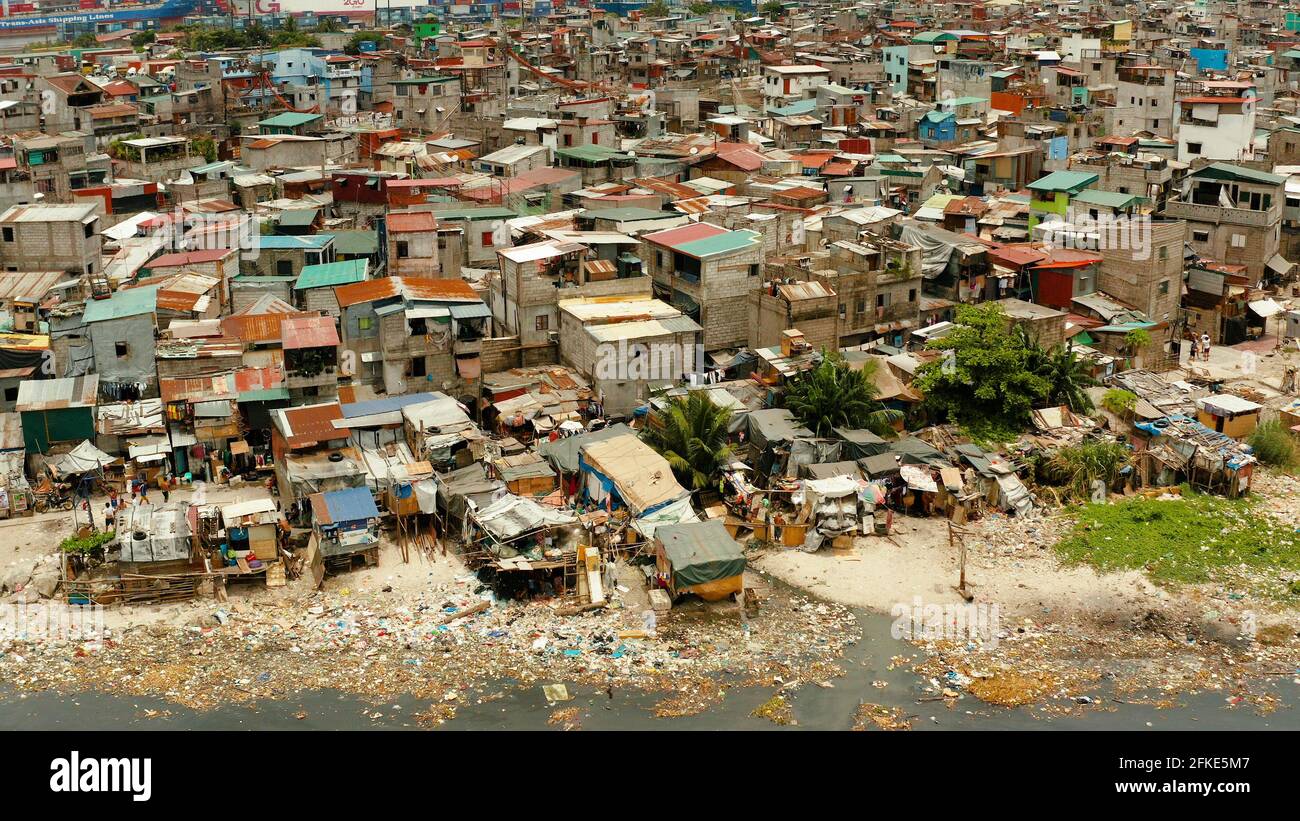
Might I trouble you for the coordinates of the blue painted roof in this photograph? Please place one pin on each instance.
(385, 405)
(350, 505)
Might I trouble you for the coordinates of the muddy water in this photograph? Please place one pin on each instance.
(526, 708)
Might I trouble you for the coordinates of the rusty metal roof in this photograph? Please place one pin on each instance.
(414, 288)
(197, 388)
(53, 394)
(308, 332)
(307, 425)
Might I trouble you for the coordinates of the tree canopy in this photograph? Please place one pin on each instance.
(693, 438)
(984, 375)
(834, 395)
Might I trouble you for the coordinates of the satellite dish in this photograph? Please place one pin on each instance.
(694, 150)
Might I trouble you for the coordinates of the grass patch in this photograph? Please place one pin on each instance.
(1194, 539)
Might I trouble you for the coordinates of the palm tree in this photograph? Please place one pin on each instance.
(834, 395)
(693, 438)
(1069, 378)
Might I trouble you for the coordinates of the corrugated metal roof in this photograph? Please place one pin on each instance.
(52, 394)
(308, 332)
(330, 274)
(414, 288)
(351, 505)
(27, 286)
(306, 425)
(197, 388)
(125, 303)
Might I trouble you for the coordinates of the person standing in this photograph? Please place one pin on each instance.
(1196, 349)
(1205, 347)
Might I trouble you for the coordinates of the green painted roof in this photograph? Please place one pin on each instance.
(356, 242)
(1227, 171)
(795, 108)
(964, 101)
(130, 302)
(933, 37)
(299, 216)
(265, 395)
(290, 119)
(1108, 199)
(718, 244)
(329, 274)
(591, 153)
(1071, 181)
(938, 116)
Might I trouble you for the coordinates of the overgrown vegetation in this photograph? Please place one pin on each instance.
(207, 38)
(657, 9)
(983, 378)
(772, 9)
(87, 545)
(834, 395)
(989, 381)
(693, 438)
(1274, 445)
(1193, 539)
(142, 39)
(1119, 401)
(354, 44)
(1076, 467)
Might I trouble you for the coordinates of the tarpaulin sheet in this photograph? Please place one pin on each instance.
(84, 458)
(643, 478)
(833, 488)
(700, 552)
(774, 425)
(563, 453)
(513, 516)
(678, 512)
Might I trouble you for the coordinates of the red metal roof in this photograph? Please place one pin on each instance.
(308, 332)
(180, 260)
(673, 237)
(407, 221)
(313, 423)
(412, 287)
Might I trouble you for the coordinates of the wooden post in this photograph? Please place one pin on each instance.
(957, 535)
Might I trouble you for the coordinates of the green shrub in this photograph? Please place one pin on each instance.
(1273, 445)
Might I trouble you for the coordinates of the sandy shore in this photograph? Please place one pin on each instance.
(1009, 563)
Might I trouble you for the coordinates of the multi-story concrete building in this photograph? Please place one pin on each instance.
(1234, 216)
(51, 238)
(707, 272)
(1218, 123)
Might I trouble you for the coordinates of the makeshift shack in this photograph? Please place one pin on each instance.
(1228, 414)
(699, 558)
(526, 474)
(346, 526)
(525, 549)
(153, 539)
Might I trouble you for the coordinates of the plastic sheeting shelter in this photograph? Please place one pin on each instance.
(700, 558)
(514, 516)
(84, 458)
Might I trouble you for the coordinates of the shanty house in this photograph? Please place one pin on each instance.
(57, 411)
(345, 524)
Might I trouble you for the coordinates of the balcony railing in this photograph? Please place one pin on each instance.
(1214, 213)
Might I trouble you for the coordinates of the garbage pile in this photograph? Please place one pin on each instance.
(452, 644)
